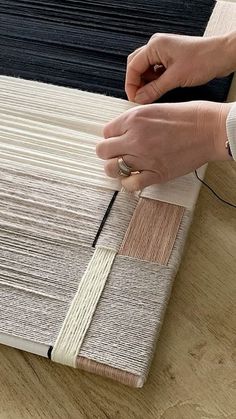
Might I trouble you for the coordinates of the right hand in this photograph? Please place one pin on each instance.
(164, 141)
(183, 61)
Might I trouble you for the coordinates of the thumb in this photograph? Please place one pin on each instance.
(156, 88)
(139, 181)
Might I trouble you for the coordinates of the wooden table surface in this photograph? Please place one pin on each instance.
(193, 374)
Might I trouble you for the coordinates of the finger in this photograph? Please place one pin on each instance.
(129, 59)
(156, 88)
(137, 66)
(155, 35)
(115, 127)
(132, 55)
(152, 74)
(112, 169)
(139, 181)
(112, 147)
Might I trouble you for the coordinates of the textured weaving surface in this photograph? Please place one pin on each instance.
(36, 206)
(133, 304)
(43, 209)
(82, 308)
(53, 189)
(85, 44)
(56, 129)
(40, 270)
(118, 221)
(38, 282)
(152, 231)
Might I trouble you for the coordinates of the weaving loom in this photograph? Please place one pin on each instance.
(82, 285)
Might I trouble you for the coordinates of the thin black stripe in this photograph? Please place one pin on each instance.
(105, 218)
(50, 352)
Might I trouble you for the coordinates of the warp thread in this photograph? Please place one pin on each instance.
(85, 44)
(36, 203)
(114, 230)
(56, 131)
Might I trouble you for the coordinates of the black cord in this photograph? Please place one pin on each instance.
(214, 193)
(105, 218)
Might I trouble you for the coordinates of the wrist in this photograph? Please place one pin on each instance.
(212, 132)
(228, 48)
(220, 137)
(221, 54)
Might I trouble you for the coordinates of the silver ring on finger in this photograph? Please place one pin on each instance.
(124, 169)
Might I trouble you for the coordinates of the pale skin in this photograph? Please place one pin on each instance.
(164, 141)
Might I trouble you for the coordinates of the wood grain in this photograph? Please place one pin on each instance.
(152, 231)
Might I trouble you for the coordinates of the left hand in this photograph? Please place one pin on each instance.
(164, 141)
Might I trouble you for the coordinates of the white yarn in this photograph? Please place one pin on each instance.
(181, 191)
(57, 129)
(80, 313)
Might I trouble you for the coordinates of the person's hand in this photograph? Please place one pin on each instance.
(164, 141)
(170, 61)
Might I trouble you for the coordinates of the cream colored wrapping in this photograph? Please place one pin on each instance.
(82, 308)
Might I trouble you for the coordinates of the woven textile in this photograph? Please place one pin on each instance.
(80, 284)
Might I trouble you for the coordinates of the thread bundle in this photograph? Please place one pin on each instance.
(82, 308)
(85, 44)
(57, 129)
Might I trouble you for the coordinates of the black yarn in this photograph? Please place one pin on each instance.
(84, 44)
(108, 210)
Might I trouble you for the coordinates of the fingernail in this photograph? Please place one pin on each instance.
(141, 97)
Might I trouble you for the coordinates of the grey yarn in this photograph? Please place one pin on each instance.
(45, 225)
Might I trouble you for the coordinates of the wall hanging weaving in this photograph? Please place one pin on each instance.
(86, 269)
